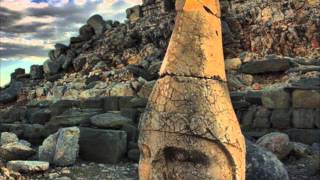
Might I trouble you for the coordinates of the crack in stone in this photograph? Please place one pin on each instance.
(215, 78)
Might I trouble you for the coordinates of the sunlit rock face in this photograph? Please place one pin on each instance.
(189, 129)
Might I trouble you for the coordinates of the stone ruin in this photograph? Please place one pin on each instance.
(150, 8)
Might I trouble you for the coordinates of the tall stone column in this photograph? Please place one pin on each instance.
(189, 129)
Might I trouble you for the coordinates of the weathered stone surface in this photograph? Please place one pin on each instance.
(254, 97)
(232, 64)
(97, 23)
(305, 83)
(300, 149)
(277, 143)
(110, 120)
(86, 32)
(306, 136)
(303, 118)
(51, 67)
(7, 137)
(28, 166)
(280, 118)
(192, 89)
(134, 13)
(122, 89)
(306, 99)
(10, 94)
(261, 119)
(276, 98)
(104, 146)
(15, 151)
(36, 72)
(265, 66)
(61, 148)
(67, 147)
(78, 63)
(111, 103)
(146, 89)
(40, 117)
(263, 165)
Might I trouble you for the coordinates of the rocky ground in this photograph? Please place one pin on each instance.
(76, 117)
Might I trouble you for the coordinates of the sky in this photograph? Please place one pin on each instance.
(30, 28)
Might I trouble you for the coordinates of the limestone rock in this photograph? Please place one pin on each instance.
(97, 23)
(61, 148)
(15, 151)
(36, 72)
(277, 143)
(110, 120)
(67, 147)
(28, 166)
(7, 137)
(306, 99)
(276, 98)
(104, 146)
(265, 66)
(122, 89)
(263, 165)
(303, 118)
(51, 67)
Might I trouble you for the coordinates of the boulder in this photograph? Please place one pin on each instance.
(103, 146)
(40, 117)
(36, 72)
(10, 94)
(276, 98)
(78, 63)
(261, 119)
(306, 136)
(97, 23)
(28, 166)
(7, 137)
(134, 13)
(306, 98)
(146, 89)
(110, 120)
(265, 66)
(303, 118)
(61, 148)
(232, 64)
(15, 151)
(122, 89)
(277, 143)
(300, 149)
(86, 32)
(280, 118)
(51, 67)
(263, 165)
(67, 147)
(17, 72)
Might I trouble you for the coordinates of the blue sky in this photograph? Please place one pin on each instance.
(30, 28)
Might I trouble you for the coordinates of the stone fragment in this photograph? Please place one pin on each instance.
(306, 99)
(303, 118)
(7, 137)
(28, 166)
(275, 98)
(281, 118)
(261, 119)
(110, 120)
(122, 89)
(265, 66)
(51, 67)
(15, 151)
(97, 23)
(61, 148)
(277, 143)
(103, 146)
(36, 72)
(263, 165)
(232, 64)
(134, 13)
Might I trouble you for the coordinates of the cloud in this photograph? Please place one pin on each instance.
(10, 50)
